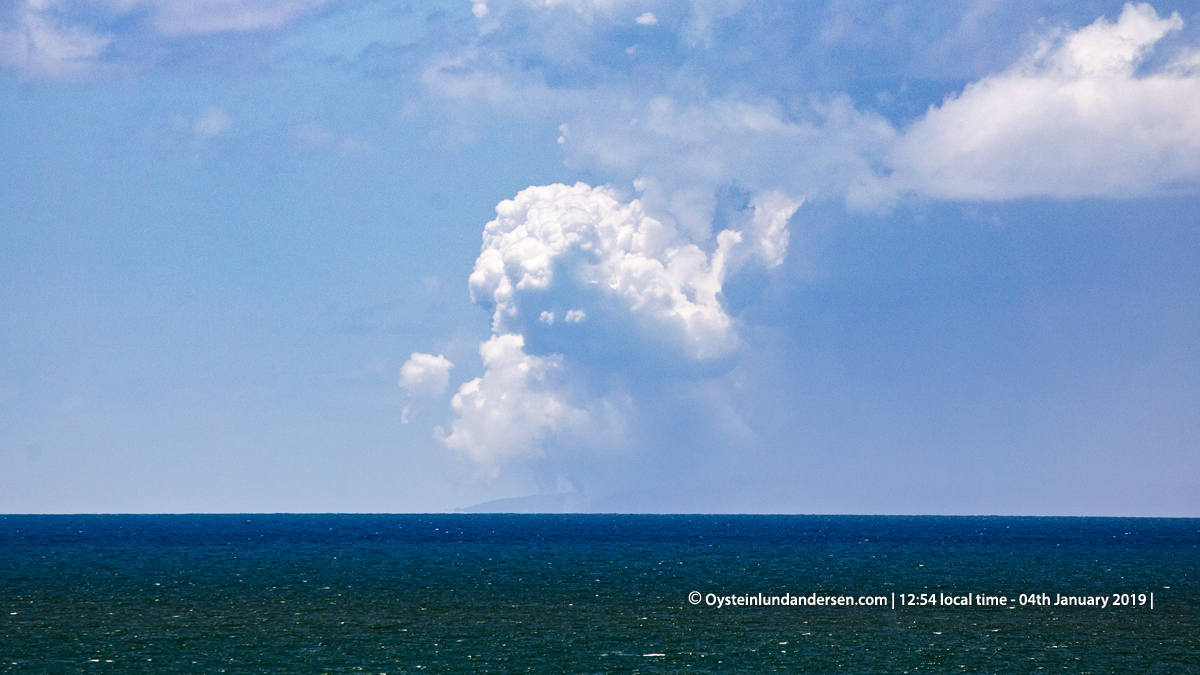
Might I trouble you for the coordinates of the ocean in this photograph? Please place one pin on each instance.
(494, 593)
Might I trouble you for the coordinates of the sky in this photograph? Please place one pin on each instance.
(600, 255)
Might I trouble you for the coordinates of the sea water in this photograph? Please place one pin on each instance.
(597, 594)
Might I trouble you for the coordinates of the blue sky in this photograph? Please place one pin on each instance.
(716, 256)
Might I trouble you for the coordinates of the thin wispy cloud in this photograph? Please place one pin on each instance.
(213, 121)
(55, 39)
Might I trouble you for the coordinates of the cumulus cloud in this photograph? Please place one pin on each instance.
(516, 404)
(582, 246)
(425, 375)
(626, 285)
(1074, 119)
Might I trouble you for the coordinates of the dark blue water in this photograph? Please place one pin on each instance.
(593, 594)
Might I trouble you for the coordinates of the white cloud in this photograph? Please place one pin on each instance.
(684, 143)
(518, 402)
(175, 18)
(40, 44)
(572, 271)
(1074, 119)
(684, 151)
(1078, 116)
(588, 7)
(56, 38)
(1106, 49)
(578, 243)
(612, 272)
(213, 121)
(425, 375)
(772, 210)
(700, 16)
